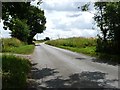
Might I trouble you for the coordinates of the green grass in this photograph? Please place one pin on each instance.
(13, 45)
(87, 50)
(76, 44)
(25, 49)
(14, 71)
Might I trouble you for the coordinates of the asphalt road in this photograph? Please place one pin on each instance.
(58, 68)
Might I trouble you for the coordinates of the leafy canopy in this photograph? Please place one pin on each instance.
(22, 14)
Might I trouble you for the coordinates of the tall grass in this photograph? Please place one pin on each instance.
(11, 42)
(77, 44)
(13, 45)
(14, 71)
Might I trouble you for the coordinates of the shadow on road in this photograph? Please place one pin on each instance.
(80, 58)
(37, 45)
(38, 74)
(105, 61)
(81, 80)
(110, 62)
(42, 73)
(33, 64)
(85, 79)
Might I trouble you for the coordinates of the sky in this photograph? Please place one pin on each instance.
(64, 20)
(4, 33)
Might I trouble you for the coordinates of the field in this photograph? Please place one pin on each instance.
(13, 45)
(76, 44)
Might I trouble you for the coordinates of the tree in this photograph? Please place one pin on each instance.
(101, 20)
(109, 22)
(20, 30)
(23, 11)
(47, 38)
(107, 18)
(37, 21)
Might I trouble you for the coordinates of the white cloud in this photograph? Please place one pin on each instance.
(65, 20)
(64, 5)
(4, 33)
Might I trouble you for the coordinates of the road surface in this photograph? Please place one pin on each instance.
(58, 68)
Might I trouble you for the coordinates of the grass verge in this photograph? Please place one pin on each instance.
(80, 45)
(14, 71)
(87, 50)
(25, 49)
(13, 45)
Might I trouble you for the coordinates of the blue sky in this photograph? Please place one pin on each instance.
(65, 20)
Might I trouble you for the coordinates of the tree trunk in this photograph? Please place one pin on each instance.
(30, 39)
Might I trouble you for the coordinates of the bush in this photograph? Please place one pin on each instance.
(14, 71)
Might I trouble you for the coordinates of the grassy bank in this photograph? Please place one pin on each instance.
(13, 45)
(80, 45)
(14, 71)
(86, 46)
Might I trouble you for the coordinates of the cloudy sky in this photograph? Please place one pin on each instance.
(64, 20)
(4, 33)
